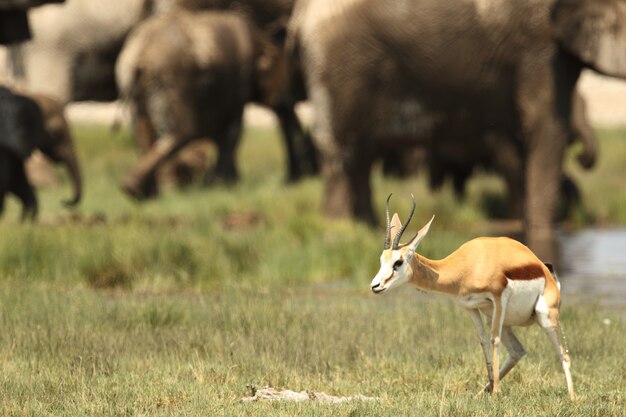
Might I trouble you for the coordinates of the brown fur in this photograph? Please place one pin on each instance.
(477, 273)
(482, 265)
(530, 271)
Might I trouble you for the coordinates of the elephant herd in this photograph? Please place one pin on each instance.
(32, 122)
(479, 83)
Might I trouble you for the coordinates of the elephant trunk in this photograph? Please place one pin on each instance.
(58, 144)
(583, 131)
(73, 170)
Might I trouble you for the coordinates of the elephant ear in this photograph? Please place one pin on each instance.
(271, 72)
(595, 32)
(20, 124)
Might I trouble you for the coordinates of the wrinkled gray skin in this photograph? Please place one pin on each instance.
(271, 17)
(28, 123)
(447, 158)
(188, 76)
(73, 55)
(378, 71)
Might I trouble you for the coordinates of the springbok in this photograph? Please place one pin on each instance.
(499, 278)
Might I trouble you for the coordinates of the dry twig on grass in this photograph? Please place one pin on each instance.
(271, 394)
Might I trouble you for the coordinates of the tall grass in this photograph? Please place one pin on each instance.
(185, 239)
(82, 352)
(171, 308)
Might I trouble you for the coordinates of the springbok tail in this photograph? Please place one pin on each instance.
(553, 272)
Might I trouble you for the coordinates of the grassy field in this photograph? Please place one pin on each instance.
(172, 307)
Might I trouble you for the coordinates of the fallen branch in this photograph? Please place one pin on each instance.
(270, 394)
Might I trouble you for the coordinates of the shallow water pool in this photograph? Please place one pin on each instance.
(593, 266)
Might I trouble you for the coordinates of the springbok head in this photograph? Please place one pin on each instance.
(395, 268)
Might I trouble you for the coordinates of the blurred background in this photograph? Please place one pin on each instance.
(127, 73)
(170, 167)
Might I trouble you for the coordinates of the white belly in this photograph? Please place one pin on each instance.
(522, 297)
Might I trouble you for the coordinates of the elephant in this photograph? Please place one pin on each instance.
(188, 75)
(28, 123)
(446, 159)
(449, 159)
(377, 71)
(77, 44)
(14, 26)
(72, 54)
(271, 17)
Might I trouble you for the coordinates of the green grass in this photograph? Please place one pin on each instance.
(603, 186)
(182, 240)
(83, 352)
(162, 308)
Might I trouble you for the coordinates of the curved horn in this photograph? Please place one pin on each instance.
(388, 233)
(396, 239)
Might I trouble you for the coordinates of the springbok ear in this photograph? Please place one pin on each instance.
(420, 235)
(396, 224)
(595, 32)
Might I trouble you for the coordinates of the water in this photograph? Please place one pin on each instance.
(593, 266)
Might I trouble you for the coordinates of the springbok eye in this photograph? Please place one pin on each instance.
(397, 264)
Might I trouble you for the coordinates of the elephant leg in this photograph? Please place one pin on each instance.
(189, 164)
(24, 191)
(401, 163)
(227, 142)
(346, 154)
(144, 133)
(460, 177)
(436, 173)
(391, 166)
(301, 156)
(6, 174)
(508, 162)
(179, 170)
(543, 180)
(145, 137)
(570, 197)
(137, 181)
(347, 185)
(583, 131)
(545, 102)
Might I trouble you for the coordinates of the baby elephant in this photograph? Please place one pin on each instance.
(188, 76)
(28, 123)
